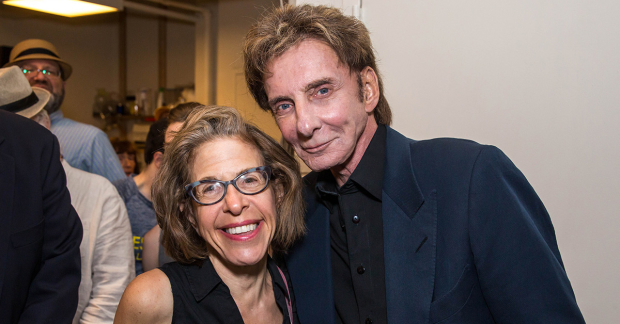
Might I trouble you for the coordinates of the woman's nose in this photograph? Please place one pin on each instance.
(234, 201)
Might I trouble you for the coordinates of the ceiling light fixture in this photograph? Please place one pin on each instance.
(68, 8)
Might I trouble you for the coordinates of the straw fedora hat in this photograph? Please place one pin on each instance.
(32, 49)
(17, 96)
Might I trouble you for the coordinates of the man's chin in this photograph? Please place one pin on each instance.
(51, 110)
(53, 104)
(319, 163)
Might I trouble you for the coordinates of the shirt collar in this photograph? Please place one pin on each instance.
(55, 116)
(369, 172)
(326, 184)
(327, 189)
(202, 278)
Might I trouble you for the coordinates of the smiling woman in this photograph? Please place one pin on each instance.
(226, 195)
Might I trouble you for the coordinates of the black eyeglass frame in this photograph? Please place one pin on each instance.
(47, 73)
(189, 189)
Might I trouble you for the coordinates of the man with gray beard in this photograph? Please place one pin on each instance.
(84, 147)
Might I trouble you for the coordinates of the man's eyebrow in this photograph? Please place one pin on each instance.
(275, 100)
(311, 85)
(318, 83)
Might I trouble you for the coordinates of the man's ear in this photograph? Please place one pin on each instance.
(370, 88)
(158, 158)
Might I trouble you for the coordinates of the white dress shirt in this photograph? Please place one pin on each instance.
(106, 249)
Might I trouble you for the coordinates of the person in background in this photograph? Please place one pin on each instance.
(161, 112)
(136, 190)
(176, 118)
(399, 231)
(153, 252)
(226, 195)
(40, 233)
(126, 152)
(84, 146)
(106, 249)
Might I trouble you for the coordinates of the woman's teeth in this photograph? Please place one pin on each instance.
(241, 229)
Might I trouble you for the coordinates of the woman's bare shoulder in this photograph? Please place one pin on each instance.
(147, 299)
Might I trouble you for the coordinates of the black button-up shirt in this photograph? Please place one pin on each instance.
(356, 230)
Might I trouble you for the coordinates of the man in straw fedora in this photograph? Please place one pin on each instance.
(84, 146)
(41, 233)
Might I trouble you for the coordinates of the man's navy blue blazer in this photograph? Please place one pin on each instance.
(40, 232)
(466, 240)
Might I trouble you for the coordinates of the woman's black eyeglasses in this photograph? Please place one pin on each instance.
(250, 182)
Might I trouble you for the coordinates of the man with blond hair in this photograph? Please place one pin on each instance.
(399, 231)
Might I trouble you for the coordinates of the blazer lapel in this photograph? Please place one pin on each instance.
(409, 234)
(310, 270)
(7, 183)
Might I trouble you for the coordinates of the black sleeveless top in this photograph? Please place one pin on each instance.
(200, 296)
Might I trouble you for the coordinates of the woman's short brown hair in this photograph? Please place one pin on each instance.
(174, 208)
(285, 27)
(123, 146)
(180, 112)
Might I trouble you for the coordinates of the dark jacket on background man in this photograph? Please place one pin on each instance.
(466, 240)
(40, 232)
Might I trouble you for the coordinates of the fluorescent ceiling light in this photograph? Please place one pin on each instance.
(68, 8)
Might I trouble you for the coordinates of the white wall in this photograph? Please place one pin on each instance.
(540, 80)
(234, 20)
(142, 52)
(180, 53)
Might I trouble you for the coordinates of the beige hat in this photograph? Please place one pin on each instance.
(38, 49)
(17, 96)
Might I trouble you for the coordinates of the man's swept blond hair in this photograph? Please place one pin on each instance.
(285, 27)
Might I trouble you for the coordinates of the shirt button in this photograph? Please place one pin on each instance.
(368, 321)
(361, 270)
(356, 219)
